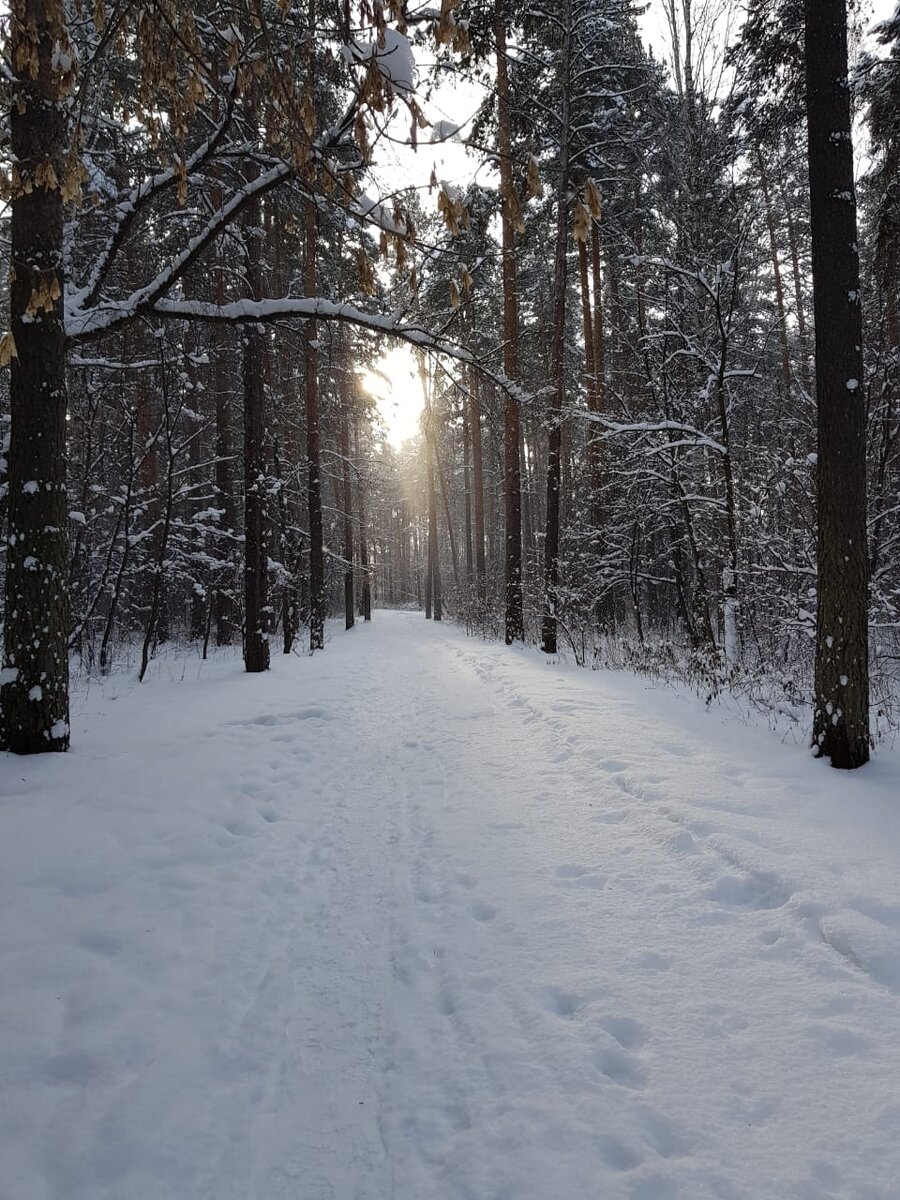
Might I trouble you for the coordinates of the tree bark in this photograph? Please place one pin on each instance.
(477, 481)
(35, 677)
(224, 473)
(365, 599)
(347, 487)
(256, 563)
(434, 562)
(313, 459)
(554, 440)
(799, 301)
(776, 276)
(841, 717)
(514, 616)
(311, 360)
(467, 498)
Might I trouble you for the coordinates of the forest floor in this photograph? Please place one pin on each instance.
(423, 918)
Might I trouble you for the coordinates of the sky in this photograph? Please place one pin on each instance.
(395, 385)
(397, 388)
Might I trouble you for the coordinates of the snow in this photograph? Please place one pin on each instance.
(428, 919)
(442, 131)
(374, 212)
(393, 55)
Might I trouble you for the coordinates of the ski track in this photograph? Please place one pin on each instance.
(423, 918)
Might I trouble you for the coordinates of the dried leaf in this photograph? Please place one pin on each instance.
(593, 199)
(8, 349)
(535, 187)
(582, 224)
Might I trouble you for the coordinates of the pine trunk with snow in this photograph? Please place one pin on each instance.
(512, 467)
(313, 437)
(256, 564)
(35, 674)
(554, 437)
(841, 721)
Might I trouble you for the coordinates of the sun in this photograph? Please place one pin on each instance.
(394, 384)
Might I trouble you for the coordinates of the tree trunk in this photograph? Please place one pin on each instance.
(311, 360)
(799, 301)
(515, 619)
(467, 497)
(448, 517)
(434, 561)
(776, 275)
(348, 499)
(554, 440)
(841, 718)
(313, 463)
(224, 473)
(256, 573)
(593, 443)
(365, 605)
(477, 481)
(599, 338)
(35, 676)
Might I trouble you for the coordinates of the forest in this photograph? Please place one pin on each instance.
(450, 521)
(638, 444)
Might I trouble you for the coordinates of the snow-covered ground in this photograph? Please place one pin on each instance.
(426, 919)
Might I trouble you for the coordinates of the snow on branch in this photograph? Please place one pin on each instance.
(130, 206)
(690, 435)
(393, 57)
(84, 320)
(304, 308)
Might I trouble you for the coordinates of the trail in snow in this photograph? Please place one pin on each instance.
(426, 919)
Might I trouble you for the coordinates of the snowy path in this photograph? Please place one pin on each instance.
(427, 919)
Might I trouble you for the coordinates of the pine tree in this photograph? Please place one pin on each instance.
(35, 677)
(841, 721)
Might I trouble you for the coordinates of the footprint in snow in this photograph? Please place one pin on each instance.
(684, 843)
(655, 1187)
(841, 1042)
(627, 1032)
(560, 1003)
(446, 1004)
(571, 875)
(678, 751)
(621, 1067)
(619, 1155)
(99, 942)
(484, 913)
(665, 1137)
(649, 960)
(760, 892)
(609, 817)
(239, 828)
(75, 1067)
